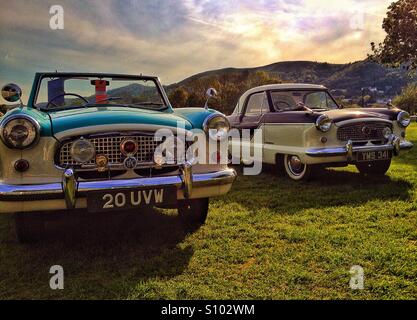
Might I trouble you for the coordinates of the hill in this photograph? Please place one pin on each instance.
(349, 78)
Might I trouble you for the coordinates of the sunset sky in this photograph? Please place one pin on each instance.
(177, 38)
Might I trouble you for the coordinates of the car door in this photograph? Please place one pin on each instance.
(255, 108)
(285, 126)
(250, 118)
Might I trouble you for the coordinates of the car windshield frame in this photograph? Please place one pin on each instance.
(310, 90)
(98, 76)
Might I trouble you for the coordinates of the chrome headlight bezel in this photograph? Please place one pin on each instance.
(30, 124)
(87, 155)
(323, 123)
(212, 129)
(404, 119)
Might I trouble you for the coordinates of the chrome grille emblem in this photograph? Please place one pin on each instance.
(130, 163)
(366, 130)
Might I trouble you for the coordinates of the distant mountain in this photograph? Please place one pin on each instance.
(349, 78)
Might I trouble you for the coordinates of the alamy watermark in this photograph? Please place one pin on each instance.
(56, 282)
(197, 146)
(56, 22)
(357, 279)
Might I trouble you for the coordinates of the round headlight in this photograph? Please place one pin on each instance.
(83, 151)
(20, 131)
(217, 127)
(387, 132)
(323, 123)
(404, 119)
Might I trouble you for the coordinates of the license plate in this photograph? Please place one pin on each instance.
(130, 199)
(374, 155)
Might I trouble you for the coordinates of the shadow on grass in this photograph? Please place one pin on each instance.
(328, 188)
(108, 253)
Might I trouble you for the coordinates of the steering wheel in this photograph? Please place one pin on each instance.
(277, 103)
(63, 95)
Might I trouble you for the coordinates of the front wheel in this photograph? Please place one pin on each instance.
(193, 211)
(295, 169)
(30, 227)
(374, 167)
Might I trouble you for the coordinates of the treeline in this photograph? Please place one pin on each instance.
(230, 86)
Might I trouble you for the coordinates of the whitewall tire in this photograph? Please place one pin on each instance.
(295, 169)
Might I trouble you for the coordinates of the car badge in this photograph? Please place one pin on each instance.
(101, 162)
(130, 163)
(366, 130)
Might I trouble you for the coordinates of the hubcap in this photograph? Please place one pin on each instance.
(295, 165)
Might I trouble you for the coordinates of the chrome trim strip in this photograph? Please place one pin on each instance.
(345, 151)
(15, 192)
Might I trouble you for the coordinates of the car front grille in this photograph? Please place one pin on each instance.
(110, 147)
(362, 132)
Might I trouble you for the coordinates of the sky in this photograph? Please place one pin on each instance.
(174, 39)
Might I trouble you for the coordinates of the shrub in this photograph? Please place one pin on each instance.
(407, 100)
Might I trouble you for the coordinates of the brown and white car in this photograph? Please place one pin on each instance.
(303, 128)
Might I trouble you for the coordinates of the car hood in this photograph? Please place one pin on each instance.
(340, 115)
(106, 119)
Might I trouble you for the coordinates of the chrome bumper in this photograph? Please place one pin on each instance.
(394, 144)
(70, 189)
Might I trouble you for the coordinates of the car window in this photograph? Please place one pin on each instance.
(330, 102)
(316, 100)
(257, 104)
(284, 100)
(319, 100)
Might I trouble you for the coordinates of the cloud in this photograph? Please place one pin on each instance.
(174, 39)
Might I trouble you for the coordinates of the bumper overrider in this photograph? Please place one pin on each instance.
(188, 184)
(394, 144)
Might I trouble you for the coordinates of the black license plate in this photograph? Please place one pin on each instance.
(374, 155)
(131, 199)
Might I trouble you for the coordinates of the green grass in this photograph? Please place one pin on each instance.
(269, 238)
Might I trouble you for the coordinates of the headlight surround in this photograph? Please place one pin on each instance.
(217, 127)
(323, 123)
(404, 119)
(83, 151)
(20, 131)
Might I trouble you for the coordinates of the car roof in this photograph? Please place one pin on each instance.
(281, 86)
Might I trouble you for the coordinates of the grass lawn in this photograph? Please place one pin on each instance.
(270, 238)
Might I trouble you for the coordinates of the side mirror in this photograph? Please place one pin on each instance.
(210, 93)
(11, 92)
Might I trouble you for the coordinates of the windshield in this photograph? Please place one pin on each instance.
(291, 100)
(66, 93)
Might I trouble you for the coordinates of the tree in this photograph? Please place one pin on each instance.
(179, 97)
(407, 100)
(400, 46)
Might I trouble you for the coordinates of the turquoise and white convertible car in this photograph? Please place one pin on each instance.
(86, 141)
